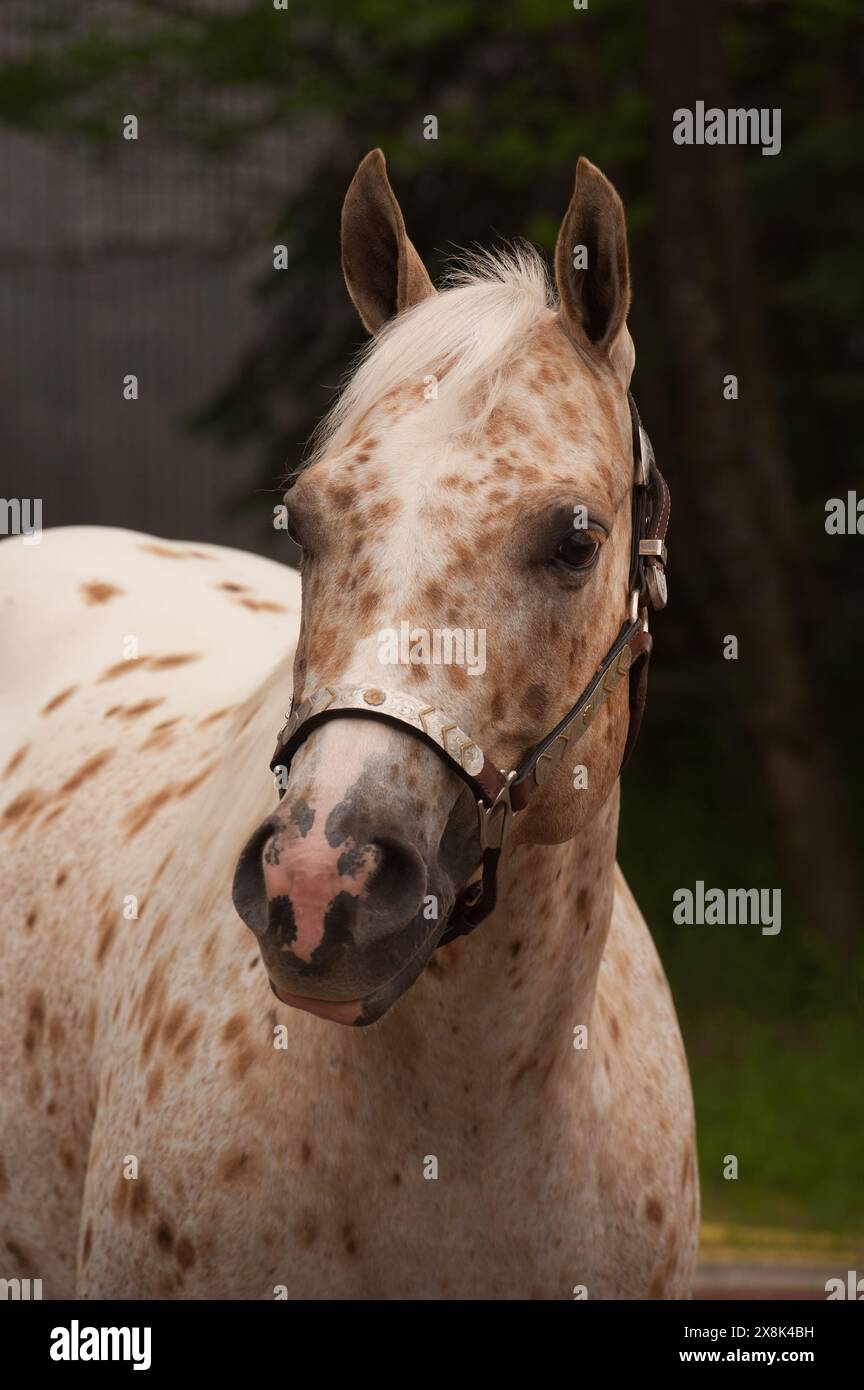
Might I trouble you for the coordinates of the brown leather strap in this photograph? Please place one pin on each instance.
(641, 649)
(535, 767)
(629, 653)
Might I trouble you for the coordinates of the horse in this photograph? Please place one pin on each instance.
(363, 1098)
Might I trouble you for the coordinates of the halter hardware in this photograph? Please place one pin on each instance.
(501, 795)
(493, 822)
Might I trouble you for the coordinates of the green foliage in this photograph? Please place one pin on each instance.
(786, 1100)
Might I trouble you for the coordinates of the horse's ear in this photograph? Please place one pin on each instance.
(382, 270)
(591, 269)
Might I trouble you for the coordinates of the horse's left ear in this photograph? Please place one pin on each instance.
(382, 270)
(591, 270)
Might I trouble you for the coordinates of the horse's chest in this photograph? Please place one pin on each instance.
(308, 1194)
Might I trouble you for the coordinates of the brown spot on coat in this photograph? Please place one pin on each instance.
(654, 1211)
(21, 1257)
(262, 605)
(164, 1236)
(106, 939)
(153, 986)
(134, 1193)
(185, 1253)
(161, 735)
(233, 1028)
(88, 769)
(148, 663)
(96, 591)
(145, 810)
(149, 1039)
(174, 1021)
(16, 760)
(241, 1063)
(163, 552)
(186, 787)
(121, 668)
(236, 1165)
(35, 1021)
(306, 1229)
(24, 806)
(167, 663)
(155, 1084)
(217, 714)
(133, 711)
(163, 866)
(535, 700)
(186, 1042)
(522, 1071)
(349, 1239)
(58, 700)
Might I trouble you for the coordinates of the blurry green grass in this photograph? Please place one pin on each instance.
(787, 1103)
(772, 1036)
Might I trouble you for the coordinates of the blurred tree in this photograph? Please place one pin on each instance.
(744, 488)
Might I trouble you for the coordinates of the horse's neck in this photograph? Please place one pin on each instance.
(492, 1009)
(492, 1020)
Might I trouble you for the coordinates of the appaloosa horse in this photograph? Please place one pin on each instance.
(520, 1124)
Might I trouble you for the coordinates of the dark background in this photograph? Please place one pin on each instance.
(155, 257)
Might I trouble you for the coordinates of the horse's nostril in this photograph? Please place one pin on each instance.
(395, 889)
(249, 889)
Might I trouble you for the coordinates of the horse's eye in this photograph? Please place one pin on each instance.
(577, 551)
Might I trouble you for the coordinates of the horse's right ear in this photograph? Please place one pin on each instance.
(591, 271)
(383, 272)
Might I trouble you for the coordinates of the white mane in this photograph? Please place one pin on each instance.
(467, 336)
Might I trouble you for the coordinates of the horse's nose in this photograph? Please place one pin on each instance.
(361, 893)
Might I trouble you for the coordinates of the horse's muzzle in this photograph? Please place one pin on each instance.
(339, 920)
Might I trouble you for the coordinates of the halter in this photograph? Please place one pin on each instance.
(501, 795)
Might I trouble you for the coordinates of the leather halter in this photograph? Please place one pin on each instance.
(502, 795)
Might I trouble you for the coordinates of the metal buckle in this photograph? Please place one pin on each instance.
(634, 612)
(493, 822)
(645, 459)
(654, 548)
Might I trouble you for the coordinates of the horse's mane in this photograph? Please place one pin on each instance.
(467, 336)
